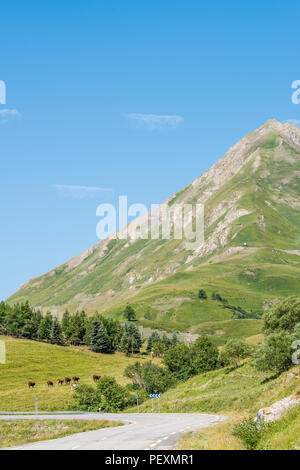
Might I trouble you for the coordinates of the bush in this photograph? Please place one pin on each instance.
(114, 397)
(275, 354)
(86, 398)
(283, 316)
(157, 379)
(202, 294)
(234, 351)
(205, 355)
(249, 432)
(150, 377)
(108, 395)
(178, 360)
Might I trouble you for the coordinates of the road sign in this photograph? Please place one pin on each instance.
(137, 403)
(155, 395)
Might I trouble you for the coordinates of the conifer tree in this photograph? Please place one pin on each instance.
(45, 327)
(65, 322)
(99, 339)
(131, 340)
(56, 336)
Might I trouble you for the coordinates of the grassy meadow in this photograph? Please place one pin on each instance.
(31, 360)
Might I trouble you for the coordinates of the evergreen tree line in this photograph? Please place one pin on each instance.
(101, 334)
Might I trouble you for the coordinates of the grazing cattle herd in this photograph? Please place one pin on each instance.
(67, 381)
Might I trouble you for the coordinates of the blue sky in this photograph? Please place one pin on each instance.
(125, 97)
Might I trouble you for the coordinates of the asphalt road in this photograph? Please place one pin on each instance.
(140, 431)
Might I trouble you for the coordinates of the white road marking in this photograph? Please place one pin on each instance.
(134, 434)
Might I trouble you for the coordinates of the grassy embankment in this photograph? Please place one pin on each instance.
(14, 433)
(235, 393)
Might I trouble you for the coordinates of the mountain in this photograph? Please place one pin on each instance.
(250, 257)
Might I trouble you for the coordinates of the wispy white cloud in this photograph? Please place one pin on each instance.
(296, 122)
(80, 192)
(156, 121)
(7, 114)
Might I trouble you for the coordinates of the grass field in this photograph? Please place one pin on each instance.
(14, 433)
(30, 360)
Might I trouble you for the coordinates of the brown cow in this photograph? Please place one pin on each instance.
(67, 380)
(31, 384)
(50, 383)
(60, 381)
(76, 379)
(96, 378)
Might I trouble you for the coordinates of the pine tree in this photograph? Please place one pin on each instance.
(77, 328)
(129, 313)
(174, 339)
(99, 339)
(45, 327)
(56, 333)
(152, 339)
(131, 340)
(65, 322)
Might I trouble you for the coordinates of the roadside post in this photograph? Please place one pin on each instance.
(155, 395)
(36, 405)
(137, 403)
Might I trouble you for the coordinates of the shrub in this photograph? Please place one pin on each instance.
(275, 354)
(283, 316)
(178, 360)
(205, 355)
(150, 377)
(202, 294)
(249, 432)
(108, 395)
(114, 397)
(157, 379)
(234, 351)
(86, 398)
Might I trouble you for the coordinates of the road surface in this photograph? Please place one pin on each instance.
(157, 431)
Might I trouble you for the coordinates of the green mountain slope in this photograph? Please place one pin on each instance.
(251, 253)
